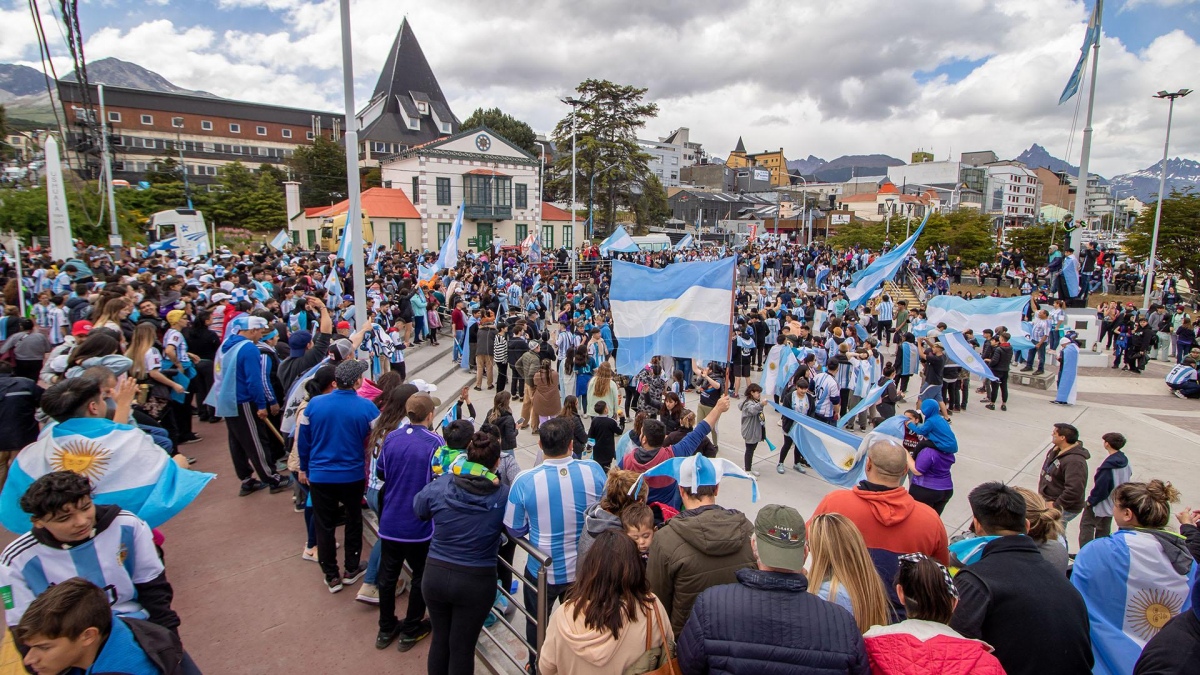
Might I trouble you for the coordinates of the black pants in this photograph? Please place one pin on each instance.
(883, 332)
(748, 461)
(459, 600)
(393, 556)
(1000, 385)
(508, 551)
(1092, 526)
(246, 447)
(518, 385)
(935, 499)
(952, 394)
(502, 376)
(529, 591)
(631, 399)
(328, 499)
(183, 417)
(30, 368)
(200, 385)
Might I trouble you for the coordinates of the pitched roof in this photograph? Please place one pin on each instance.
(740, 147)
(376, 203)
(486, 172)
(552, 212)
(406, 76)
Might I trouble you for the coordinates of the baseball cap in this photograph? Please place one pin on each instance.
(247, 322)
(779, 534)
(340, 350)
(343, 325)
(348, 298)
(221, 297)
(298, 341)
(348, 372)
(81, 328)
(175, 315)
(420, 406)
(424, 387)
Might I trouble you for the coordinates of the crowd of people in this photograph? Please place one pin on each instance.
(647, 569)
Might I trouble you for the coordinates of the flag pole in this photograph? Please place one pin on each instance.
(1086, 153)
(732, 330)
(354, 208)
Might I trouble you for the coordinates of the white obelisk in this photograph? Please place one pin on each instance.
(61, 246)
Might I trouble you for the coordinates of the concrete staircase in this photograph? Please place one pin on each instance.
(898, 292)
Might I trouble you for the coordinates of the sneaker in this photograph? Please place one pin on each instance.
(191, 439)
(281, 466)
(285, 484)
(1004, 406)
(352, 576)
(409, 640)
(250, 486)
(1039, 372)
(385, 638)
(779, 468)
(368, 594)
(334, 585)
(755, 473)
(799, 467)
(297, 507)
(310, 554)
(1177, 393)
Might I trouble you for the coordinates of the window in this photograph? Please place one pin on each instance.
(287, 133)
(416, 198)
(261, 131)
(414, 124)
(177, 122)
(522, 232)
(209, 147)
(396, 230)
(235, 128)
(379, 146)
(445, 127)
(443, 233)
(879, 210)
(522, 197)
(206, 125)
(547, 237)
(309, 135)
(147, 119)
(117, 141)
(149, 143)
(568, 236)
(114, 116)
(443, 191)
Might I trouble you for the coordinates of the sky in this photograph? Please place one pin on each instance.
(819, 77)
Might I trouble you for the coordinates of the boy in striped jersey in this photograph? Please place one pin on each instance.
(73, 537)
(1182, 379)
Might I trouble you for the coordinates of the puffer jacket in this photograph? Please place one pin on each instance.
(916, 647)
(769, 624)
(595, 521)
(694, 551)
(753, 423)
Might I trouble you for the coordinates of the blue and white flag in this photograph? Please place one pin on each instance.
(168, 244)
(1132, 584)
(280, 240)
(426, 272)
(864, 283)
(123, 463)
(451, 416)
(892, 426)
(822, 275)
(869, 400)
(1070, 274)
(770, 376)
(260, 292)
(789, 363)
(373, 256)
(687, 242)
(910, 359)
(960, 352)
(466, 360)
(1068, 372)
(861, 332)
(681, 310)
(448, 257)
(334, 285)
(344, 245)
(977, 315)
(618, 241)
(1090, 37)
(696, 471)
(836, 455)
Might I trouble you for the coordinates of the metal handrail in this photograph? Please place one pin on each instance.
(914, 283)
(542, 608)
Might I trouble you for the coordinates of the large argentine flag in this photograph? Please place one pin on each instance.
(687, 242)
(1131, 589)
(838, 456)
(681, 310)
(1068, 372)
(958, 351)
(864, 283)
(869, 400)
(124, 464)
(618, 241)
(448, 257)
(984, 313)
(1090, 37)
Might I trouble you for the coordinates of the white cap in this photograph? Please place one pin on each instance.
(423, 386)
(221, 297)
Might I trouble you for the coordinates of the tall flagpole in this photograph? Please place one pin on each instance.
(1086, 153)
(354, 210)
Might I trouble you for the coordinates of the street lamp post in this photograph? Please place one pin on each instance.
(887, 228)
(541, 183)
(804, 212)
(573, 102)
(1162, 186)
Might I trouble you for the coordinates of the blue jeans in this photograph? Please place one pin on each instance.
(161, 438)
(1040, 353)
(418, 328)
(377, 549)
(458, 338)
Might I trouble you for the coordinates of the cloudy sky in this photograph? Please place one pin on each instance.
(822, 77)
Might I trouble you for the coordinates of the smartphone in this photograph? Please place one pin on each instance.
(590, 449)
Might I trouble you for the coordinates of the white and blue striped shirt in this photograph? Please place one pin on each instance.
(885, 311)
(825, 388)
(548, 502)
(1181, 374)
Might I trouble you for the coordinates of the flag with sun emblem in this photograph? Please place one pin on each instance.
(124, 464)
(1133, 582)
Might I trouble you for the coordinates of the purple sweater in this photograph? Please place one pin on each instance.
(934, 466)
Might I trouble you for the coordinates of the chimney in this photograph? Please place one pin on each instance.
(291, 191)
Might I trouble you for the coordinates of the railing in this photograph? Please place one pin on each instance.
(913, 282)
(542, 612)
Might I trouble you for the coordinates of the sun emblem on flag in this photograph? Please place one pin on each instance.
(122, 554)
(85, 457)
(1150, 610)
(772, 366)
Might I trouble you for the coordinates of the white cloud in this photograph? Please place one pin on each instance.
(815, 78)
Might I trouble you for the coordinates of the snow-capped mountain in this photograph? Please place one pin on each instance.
(1181, 173)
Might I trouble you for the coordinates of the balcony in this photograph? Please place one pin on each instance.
(487, 212)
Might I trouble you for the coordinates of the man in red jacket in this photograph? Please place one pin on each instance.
(891, 521)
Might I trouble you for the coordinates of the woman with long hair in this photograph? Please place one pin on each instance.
(100, 348)
(754, 424)
(155, 388)
(546, 403)
(602, 388)
(570, 412)
(584, 367)
(1150, 565)
(566, 374)
(114, 312)
(842, 572)
(1046, 529)
(204, 342)
(929, 597)
(602, 626)
(501, 416)
(672, 412)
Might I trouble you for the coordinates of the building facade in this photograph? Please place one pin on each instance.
(1014, 194)
(773, 162)
(889, 200)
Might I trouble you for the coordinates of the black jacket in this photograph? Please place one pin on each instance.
(508, 430)
(1016, 601)
(19, 401)
(1000, 359)
(604, 431)
(1175, 650)
(769, 624)
(162, 646)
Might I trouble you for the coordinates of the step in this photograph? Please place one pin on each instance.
(1045, 381)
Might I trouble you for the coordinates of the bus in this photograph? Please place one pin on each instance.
(653, 242)
(180, 229)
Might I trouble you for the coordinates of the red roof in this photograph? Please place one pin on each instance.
(376, 203)
(552, 212)
(485, 172)
(889, 189)
(313, 210)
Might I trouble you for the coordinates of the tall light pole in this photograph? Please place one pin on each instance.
(804, 211)
(1162, 186)
(114, 237)
(573, 102)
(541, 184)
(354, 208)
(887, 228)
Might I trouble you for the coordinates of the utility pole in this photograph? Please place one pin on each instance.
(114, 237)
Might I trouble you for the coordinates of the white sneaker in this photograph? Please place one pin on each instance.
(755, 474)
(799, 467)
(310, 554)
(779, 469)
(368, 593)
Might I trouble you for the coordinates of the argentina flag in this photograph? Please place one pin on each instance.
(123, 463)
(869, 400)
(978, 315)
(910, 359)
(864, 283)
(1133, 582)
(280, 240)
(682, 310)
(1068, 371)
(838, 456)
(958, 351)
(1090, 37)
(618, 241)
(448, 257)
(687, 242)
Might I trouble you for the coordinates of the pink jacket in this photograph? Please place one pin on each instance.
(916, 647)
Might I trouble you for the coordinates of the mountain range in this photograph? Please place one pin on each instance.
(843, 168)
(1181, 174)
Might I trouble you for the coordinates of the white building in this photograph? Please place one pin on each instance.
(926, 173)
(495, 181)
(1013, 195)
(670, 153)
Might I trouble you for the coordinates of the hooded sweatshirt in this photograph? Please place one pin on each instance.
(468, 517)
(595, 521)
(935, 428)
(1111, 474)
(1064, 477)
(573, 648)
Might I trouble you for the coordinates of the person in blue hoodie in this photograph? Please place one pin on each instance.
(930, 464)
(333, 431)
(466, 506)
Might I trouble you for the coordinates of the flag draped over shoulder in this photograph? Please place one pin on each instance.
(838, 456)
(448, 256)
(1068, 369)
(618, 241)
(864, 283)
(680, 310)
(1133, 583)
(984, 313)
(124, 464)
